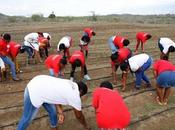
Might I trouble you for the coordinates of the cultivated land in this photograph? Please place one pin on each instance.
(146, 114)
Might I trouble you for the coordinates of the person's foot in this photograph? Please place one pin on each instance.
(165, 102)
(87, 77)
(137, 87)
(148, 85)
(16, 79)
(158, 101)
(123, 89)
(135, 52)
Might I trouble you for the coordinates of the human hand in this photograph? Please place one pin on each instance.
(61, 118)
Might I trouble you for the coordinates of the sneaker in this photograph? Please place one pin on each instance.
(87, 77)
(16, 79)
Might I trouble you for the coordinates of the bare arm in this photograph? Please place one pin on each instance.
(80, 117)
(60, 112)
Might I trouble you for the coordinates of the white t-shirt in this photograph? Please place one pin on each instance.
(66, 41)
(166, 43)
(137, 61)
(48, 89)
(31, 40)
(2, 65)
(46, 35)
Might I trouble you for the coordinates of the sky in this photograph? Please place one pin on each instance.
(84, 7)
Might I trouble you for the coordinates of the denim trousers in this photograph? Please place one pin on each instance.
(140, 73)
(30, 112)
(112, 46)
(8, 61)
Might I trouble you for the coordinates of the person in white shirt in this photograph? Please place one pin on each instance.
(2, 70)
(31, 45)
(138, 64)
(166, 45)
(52, 93)
(64, 44)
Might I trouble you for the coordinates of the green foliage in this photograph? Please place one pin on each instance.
(37, 17)
(52, 16)
(12, 19)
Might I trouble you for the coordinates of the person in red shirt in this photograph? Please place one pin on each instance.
(43, 45)
(141, 37)
(77, 59)
(56, 64)
(117, 42)
(86, 40)
(111, 111)
(164, 73)
(4, 41)
(117, 59)
(14, 49)
(89, 32)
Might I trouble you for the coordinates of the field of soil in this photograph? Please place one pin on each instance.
(146, 113)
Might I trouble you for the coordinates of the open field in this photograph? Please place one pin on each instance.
(146, 114)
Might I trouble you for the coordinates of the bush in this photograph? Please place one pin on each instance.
(12, 19)
(37, 17)
(52, 16)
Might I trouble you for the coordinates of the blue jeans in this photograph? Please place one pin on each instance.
(140, 73)
(166, 79)
(12, 65)
(29, 50)
(112, 46)
(51, 71)
(30, 112)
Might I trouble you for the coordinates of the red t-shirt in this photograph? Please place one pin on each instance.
(124, 54)
(52, 62)
(43, 40)
(118, 41)
(162, 65)
(111, 111)
(141, 36)
(88, 31)
(77, 55)
(14, 48)
(3, 47)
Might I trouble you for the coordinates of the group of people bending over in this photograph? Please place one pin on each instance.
(53, 91)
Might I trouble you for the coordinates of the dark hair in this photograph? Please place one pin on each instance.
(93, 33)
(62, 47)
(77, 63)
(148, 36)
(171, 49)
(40, 33)
(6, 36)
(82, 87)
(85, 39)
(106, 84)
(165, 57)
(114, 56)
(126, 42)
(22, 49)
(63, 61)
(124, 66)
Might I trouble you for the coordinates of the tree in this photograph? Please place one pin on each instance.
(52, 15)
(94, 16)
